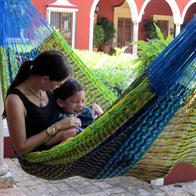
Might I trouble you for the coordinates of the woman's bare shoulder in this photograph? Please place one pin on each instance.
(13, 100)
(14, 106)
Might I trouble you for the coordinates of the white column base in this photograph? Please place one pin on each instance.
(6, 178)
(157, 182)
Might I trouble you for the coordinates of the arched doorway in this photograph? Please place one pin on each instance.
(123, 25)
(165, 11)
(160, 12)
(133, 16)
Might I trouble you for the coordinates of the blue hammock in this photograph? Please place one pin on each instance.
(144, 133)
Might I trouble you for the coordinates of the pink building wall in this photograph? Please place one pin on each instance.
(106, 9)
(160, 7)
(83, 22)
(190, 13)
(83, 19)
(182, 4)
(41, 6)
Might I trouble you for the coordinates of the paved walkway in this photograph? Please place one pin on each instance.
(120, 186)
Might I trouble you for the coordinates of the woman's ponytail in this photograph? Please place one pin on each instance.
(22, 75)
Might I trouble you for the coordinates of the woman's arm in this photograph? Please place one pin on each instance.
(16, 113)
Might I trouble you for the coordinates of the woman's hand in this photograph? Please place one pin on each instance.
(61, 136)
(68, 122)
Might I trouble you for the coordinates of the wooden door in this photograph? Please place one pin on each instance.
(124, 33)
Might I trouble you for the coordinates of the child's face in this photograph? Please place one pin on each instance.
(73, 104)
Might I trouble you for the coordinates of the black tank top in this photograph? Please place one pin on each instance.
(37, 118)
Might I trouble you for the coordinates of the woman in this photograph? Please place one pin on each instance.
(30, 105)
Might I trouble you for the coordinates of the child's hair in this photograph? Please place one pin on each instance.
(67, 89)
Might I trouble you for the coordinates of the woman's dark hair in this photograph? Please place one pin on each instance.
(67, 89)
(51, 63)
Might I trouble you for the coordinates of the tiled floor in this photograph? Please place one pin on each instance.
(28, 185)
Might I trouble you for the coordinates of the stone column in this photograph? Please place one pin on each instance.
(73, 36)
(178, 27)
(6, 178)
(135, 37)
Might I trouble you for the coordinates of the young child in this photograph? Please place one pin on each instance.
(70, 100)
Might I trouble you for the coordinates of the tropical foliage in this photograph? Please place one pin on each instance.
(116, 72)
(150, 49)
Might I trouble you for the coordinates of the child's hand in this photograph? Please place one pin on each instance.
(61, 136)
(68, 134)
(97, 111)
(68, 122)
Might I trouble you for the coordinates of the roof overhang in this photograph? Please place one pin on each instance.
(62, 3)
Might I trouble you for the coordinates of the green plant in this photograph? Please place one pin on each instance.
(108, 27)
(148, 51)
(150, 30)
(120, 51)
(99, 35)
(116, 72)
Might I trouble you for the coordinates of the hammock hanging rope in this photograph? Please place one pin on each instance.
(144, 133)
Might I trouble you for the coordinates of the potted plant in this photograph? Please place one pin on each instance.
(109, 30)
(99, 36)
(149, 29)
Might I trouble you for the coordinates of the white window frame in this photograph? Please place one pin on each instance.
(64, 10)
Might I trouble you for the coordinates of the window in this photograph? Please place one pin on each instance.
(63, 19)
(63, 22)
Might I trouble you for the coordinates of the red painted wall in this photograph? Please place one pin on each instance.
(190, 13)
(106, 10)
(182, 4)
(41, 5)
(83, 23)
(182, 172)
(8, 148)
(139, 4)
(82, 28)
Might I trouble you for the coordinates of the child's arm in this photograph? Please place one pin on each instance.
(97, 110)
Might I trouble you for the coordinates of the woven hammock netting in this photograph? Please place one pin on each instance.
(144, 133)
